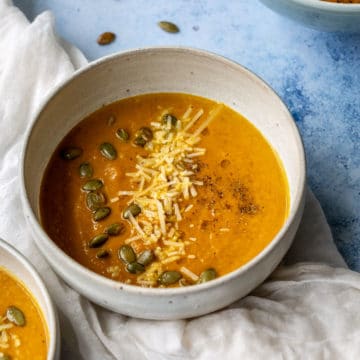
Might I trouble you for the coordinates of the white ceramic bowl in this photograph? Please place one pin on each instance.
(16, 264)
(163, 70)
(320, 15)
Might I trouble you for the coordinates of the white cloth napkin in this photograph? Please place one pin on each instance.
(307, 310)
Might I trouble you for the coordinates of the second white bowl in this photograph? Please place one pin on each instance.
(16, 264)
(319, 15)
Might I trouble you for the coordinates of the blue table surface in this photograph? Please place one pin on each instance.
(317, 75)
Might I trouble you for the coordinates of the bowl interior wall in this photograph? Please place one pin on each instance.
(162, 70)
(23, 273)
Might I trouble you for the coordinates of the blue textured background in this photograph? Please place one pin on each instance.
(317, 74)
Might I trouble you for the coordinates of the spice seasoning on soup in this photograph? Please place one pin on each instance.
(174, 190)
(23, 333)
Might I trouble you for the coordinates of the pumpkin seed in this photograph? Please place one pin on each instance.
(71, 153)
(135, 268)
(108, 151)
(207, 275)
(146, 257)
(93, 185)
(168, 27)
(115, 229)
(133, 209)
(15, 315)
(95, 200)
(169, 117)
(103, 253)
(101, 213)
(122, 134)
(85, 170)
(145, 133)
(169, 277)
(98, 240)
(106, 38)
(139, 141)
(126, 254)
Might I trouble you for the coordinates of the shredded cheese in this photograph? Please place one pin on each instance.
(162, 180)
(189, 274)
(187, 113)
(6, 338)
(131, 239)
(215, 112)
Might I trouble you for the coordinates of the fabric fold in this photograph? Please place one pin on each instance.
(304, 310)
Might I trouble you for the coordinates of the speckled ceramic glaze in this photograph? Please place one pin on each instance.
(163, 70)
(319, 14)
(15, 263)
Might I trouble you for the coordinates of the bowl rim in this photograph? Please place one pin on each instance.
(295, 207)
(331, 7)
(52, 321)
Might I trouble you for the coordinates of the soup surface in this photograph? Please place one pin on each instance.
(23, 332)
(164, 190)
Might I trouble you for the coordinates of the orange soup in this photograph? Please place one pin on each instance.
(164, 190)
(23, 332)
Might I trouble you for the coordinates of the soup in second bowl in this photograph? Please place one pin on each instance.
(164, 190)
(23, 332)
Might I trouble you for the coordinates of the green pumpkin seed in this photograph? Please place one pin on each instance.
(93, 185)
(95, 200)
(145, 133)
(139, 141)
(98, 240)
(115, 229)
(15, 315)
(135, 268)
(71, 153)
(168, 27)
(146, 257)
(101, 213)
(5, 357)
(207, 275)
(101, 254)
(85, 170)
(122, 134)
(169, 277)
(133, 209)
(168, 117)
(108, 151)
(126, 254)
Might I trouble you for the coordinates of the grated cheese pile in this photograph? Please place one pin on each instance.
(5, 335)
(162, 182)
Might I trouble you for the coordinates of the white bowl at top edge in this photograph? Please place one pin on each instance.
(18, 266)
(151, 70)
(319, 15)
